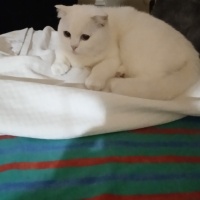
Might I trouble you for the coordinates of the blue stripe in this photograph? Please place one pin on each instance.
(97, 180)
(95, 145)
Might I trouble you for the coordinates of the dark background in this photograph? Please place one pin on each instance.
(19, 14)
(183, 15)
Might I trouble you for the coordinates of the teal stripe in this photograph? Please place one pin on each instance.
(97, 147)
(121, 188)
(75, 172)
(117, 143)
(51, 156)
(95, 140)
(97, 179)
(187, 122)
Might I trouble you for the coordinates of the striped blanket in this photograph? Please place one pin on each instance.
(156, 163)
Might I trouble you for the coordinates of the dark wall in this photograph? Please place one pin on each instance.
(183, 15)
(19, 14)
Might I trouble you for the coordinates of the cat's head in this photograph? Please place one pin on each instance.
(83, 29)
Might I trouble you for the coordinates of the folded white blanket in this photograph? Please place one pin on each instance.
(34, 103)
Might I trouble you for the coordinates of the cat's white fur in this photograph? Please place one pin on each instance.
(158, 62)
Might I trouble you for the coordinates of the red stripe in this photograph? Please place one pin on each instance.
(167, 131)
(176, 196)
(3, 137)
(98, 161)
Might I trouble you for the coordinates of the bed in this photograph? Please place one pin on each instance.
(61, 141)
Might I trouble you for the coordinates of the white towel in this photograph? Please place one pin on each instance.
(34, 103)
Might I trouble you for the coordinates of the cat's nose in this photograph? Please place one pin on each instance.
(74, 47)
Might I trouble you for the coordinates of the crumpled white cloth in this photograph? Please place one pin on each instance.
(34, 103)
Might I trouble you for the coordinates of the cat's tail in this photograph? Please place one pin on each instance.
(165, 88)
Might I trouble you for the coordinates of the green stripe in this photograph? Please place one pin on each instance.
(187, 122)
(88, 153)
(117, 187)
(98, 170)
(95, 151)
(130, 136)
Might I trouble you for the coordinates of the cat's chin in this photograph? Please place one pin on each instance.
(74, 52)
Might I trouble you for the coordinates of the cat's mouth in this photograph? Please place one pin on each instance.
(74, 49)
(74, 52)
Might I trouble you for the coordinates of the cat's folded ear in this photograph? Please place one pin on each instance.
(62, 10)
(101, 20)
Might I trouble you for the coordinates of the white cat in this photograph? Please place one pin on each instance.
(157, 61)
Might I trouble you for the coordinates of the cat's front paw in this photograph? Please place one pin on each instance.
(59, 69)
(94, 84)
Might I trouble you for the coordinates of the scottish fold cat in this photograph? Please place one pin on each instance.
(129, 52)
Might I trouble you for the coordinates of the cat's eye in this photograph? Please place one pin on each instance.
(85, 37)
(66, 34)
